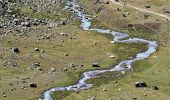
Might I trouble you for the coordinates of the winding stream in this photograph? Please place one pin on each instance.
(117, 37)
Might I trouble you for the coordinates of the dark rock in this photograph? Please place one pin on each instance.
(15, 50)
(155, 88)
(147, 6)
(107, 2)
(66, 54)
(95, 65)
(134, 98)
(36, 49)
(140, 84)
(33, 85)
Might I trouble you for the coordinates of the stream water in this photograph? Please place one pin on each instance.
(117, 37)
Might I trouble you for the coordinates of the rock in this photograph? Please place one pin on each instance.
(112, 56)
(104, 89)
(140, 84)
(107, 2)
(118, 9)
(95, 42)
(110, 99)
(155, 88)
(36, 64)
(145, 95)
(72, 65)
(39, 69)
(63, 22)
(148, 6)
(95, 65)
(52, 70)
(64, 69)
(4, 95)
(66, 54)
(26, 24)
(120, 89)
(124, 15)
(64, 34)
(36, 49)
(134, 98)
(33, 85)
(62, 40)
(15, 50)
(91, 98)
(16, 21)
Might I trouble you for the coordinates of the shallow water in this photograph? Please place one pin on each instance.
(117, 37)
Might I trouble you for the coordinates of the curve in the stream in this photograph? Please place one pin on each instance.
(117, 37)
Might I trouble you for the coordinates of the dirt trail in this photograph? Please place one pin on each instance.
(141, 9)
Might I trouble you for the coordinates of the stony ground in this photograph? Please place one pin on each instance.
(42, 46)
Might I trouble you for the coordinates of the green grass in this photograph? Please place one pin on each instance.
(59, 95)
(104, 79)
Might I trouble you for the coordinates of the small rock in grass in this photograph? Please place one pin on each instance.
(36, 49)
(4, 95)
(62, 40)
(36, 64)
(39, 69)
(66, 54)
(111, 56)
(64, 34)
(95, 42)
(134, 98)
(155, 88)
(140, 84)
(120, 89)
(148, 6)
(110, 99)
(95, 65)
(33, 85)
(91, 98)
(15, 50)
(64, 69)
(52, 70)
(104, 89)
